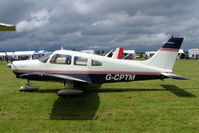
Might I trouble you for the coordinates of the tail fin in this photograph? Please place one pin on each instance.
(118, 54)
(109, 54)
(166, 55)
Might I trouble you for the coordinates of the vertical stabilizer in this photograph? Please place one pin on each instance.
(118, 54)
(165, 57)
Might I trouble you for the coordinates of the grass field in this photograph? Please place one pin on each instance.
(145, 106)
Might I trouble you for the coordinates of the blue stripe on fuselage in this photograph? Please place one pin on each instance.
(97, 78)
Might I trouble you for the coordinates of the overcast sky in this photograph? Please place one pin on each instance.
(98, 24)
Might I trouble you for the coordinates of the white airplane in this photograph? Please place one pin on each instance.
(77, 68)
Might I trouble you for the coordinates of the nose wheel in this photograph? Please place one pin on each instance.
(28, 87)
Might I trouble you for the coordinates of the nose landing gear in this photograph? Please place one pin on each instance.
(29, 87)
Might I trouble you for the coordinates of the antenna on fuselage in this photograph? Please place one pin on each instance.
(62, 48)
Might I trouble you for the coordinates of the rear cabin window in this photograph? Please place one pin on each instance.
(80, 61)
(96, 63)
(61, 59)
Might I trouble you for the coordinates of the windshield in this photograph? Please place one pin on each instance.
(45, 58)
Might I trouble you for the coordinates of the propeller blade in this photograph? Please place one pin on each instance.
(6, 56)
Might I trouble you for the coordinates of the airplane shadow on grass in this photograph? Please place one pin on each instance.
(85, 106)
(178, 91)
(78, 107)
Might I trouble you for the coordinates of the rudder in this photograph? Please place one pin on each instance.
(166, 56)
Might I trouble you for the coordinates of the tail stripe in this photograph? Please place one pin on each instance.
(169, 49)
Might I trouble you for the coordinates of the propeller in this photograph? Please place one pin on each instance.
(6, 56)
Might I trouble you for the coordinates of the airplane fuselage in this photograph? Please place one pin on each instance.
(87, 68)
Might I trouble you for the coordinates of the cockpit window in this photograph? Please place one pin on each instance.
(96, 63)
(80, 61)
(61, 59)
(45, 58)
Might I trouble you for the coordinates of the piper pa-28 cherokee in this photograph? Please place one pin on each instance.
(76, 68)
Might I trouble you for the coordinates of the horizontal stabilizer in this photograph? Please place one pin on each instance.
(173, 76)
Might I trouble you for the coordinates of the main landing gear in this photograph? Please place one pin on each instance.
(70, 90)
(28, 87)
(64, 92)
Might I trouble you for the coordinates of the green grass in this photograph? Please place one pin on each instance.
(144, 106)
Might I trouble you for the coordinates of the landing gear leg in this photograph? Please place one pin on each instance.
(28, 87)
(70, 90)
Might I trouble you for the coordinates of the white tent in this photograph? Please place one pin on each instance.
(193, 53)
(149, 54)
(130, 53)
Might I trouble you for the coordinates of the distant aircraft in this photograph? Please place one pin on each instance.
(118, 54)
(77, 68)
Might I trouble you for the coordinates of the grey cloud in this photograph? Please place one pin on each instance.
(83, 24)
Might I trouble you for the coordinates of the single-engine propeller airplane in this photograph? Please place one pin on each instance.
(77, 68)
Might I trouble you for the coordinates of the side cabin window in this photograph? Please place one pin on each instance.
(96, 63)
(61, 59)
(80, 61)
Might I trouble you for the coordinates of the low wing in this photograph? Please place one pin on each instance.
(47, 76)
(7, 27)
(173, 76)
